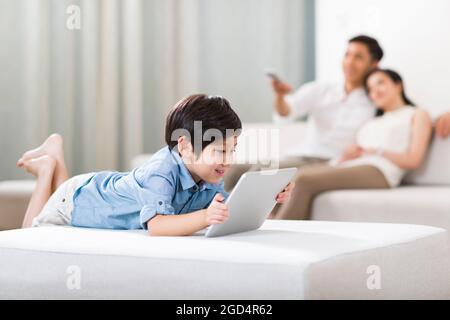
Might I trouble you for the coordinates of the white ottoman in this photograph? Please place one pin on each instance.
(282, 260)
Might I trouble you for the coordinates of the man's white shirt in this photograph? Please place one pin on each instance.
(334, 117)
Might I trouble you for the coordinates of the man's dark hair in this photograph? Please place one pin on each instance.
(375, 50)
(214, 112)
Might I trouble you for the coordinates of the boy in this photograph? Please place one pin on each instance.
(179, 191)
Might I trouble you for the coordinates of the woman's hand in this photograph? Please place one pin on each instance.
(373, 151)
(284, 195)
(352, 152)
(217, 212)
(443, 126)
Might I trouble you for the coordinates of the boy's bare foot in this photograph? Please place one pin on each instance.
(38, 166)
(52, 146)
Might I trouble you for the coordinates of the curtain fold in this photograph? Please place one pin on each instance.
(108, 86)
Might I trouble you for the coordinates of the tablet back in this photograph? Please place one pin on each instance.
(252, 200)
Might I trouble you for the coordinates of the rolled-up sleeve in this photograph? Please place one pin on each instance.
(155, 193)
(148, 212)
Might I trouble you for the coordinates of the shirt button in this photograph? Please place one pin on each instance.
(160, 203)
(195, 188)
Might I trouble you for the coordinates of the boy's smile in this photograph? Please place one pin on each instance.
(213, 162)
(220, 172)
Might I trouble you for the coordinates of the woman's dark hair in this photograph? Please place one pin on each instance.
(197, 115)
(375, 50)
(396, 78)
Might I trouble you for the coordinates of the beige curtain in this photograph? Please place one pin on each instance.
(86, 83)
(107, 87)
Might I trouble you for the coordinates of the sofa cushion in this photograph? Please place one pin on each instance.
(406, 204)
(282, 260)
(435, 170)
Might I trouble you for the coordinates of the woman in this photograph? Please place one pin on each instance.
(386, 147)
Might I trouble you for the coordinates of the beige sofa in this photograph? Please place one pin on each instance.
(423, 199)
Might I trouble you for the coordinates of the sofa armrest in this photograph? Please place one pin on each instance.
(14, 198)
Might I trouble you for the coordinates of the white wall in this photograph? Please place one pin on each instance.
(415, 35)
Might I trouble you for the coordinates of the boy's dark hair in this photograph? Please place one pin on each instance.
(214, 112)
(375, 50)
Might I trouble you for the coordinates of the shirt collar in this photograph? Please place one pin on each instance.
(187, 182)
(343, 95)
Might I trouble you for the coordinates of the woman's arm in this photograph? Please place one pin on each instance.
(420, 140)
(189, 223)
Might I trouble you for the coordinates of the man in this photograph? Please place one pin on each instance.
(334, 111)
(443, 126)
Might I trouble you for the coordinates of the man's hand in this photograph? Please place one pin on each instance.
(217, 212)
(284, 195)
(352, 152)
(443, 126)
(281, 88)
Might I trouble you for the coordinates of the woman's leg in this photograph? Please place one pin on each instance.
(311, 181)
(236, 171)
(43, 168)
(53, 147)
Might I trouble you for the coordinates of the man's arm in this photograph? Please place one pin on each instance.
(281, 90)
(290, 106)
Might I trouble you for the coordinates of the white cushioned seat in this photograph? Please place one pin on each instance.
(434, 170)
(282, 260)
(428, 205)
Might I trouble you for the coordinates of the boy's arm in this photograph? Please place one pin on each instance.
(189, 223)
(177, 225)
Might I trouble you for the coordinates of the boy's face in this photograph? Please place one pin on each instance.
(213, 162)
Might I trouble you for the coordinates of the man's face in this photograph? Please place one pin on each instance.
(357, 62)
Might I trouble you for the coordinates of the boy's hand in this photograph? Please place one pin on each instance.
(217, 211)
(284, 195)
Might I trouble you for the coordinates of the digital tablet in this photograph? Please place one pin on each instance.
(252, 200)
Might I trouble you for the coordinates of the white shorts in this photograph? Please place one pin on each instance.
(58, 209)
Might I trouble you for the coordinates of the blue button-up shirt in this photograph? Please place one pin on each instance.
(163, 185)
